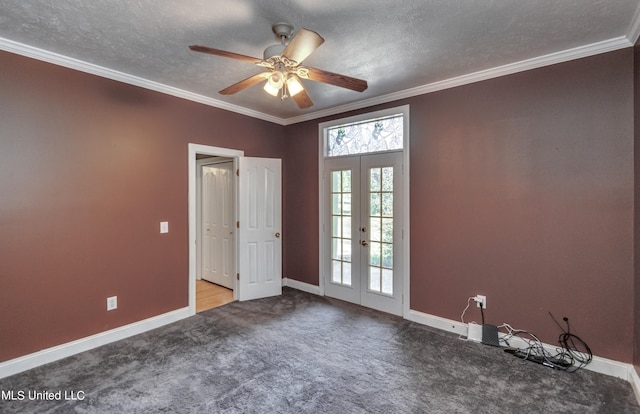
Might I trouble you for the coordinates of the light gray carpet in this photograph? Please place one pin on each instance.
(301, 353)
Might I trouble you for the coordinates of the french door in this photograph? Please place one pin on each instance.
(363, 230)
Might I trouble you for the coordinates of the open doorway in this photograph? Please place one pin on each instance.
(258, 219)
(204, 294)
(216, 231)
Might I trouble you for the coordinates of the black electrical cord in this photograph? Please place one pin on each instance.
(481, 311)
(573, 355)
(574, 349)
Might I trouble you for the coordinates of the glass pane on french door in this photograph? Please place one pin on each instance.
(341, 216)
(364, 236)
(380, 214)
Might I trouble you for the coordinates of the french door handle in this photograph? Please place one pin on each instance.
(364, 242)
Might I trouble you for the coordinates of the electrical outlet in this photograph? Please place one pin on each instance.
(481, 299)
(112, 303)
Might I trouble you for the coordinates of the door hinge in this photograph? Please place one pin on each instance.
(238, 172)
(238, 276)
(238, 224)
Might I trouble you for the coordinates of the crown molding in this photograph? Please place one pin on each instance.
(634, 28)
(71, 63)
(508, 69)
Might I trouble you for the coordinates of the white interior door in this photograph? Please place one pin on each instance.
(363, 230)
(260, 227)
(217, 210)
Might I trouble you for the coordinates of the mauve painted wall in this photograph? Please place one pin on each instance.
(88, 169)
(301, 206)
(522, 190)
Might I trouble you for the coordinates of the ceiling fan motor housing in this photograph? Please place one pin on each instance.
(273, 50)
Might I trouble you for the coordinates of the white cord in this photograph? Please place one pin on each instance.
(465, 309)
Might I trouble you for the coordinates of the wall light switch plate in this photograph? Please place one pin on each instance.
(164, 227)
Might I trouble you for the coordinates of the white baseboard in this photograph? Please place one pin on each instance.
(24, 363)
(305, 287)
(437, 322)
(634, 379)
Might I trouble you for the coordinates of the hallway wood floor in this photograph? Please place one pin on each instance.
(209, 295)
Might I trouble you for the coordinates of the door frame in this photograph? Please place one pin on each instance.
(322, 198)
(199, 189)
(193, 151)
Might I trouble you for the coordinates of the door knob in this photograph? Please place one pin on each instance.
(364, 242)
(277, 234)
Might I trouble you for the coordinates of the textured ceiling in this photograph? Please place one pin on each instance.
(395, 46)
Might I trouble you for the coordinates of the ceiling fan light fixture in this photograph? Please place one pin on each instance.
(270, 89)
(276, 79)
(275, 82)
(294, 86)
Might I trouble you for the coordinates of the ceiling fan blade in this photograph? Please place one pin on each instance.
(303, 100)
(302, 45)
(224, 53)
(336, 79)
(243, 84)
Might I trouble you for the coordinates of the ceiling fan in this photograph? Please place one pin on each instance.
(283, 63)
